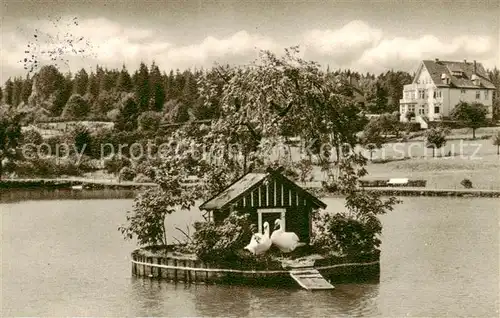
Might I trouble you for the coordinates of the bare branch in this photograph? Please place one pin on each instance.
(177, 240)
(185, 234)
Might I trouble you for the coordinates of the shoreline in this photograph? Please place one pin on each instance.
(96, 185)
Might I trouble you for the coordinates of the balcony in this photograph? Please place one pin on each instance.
(411, 101)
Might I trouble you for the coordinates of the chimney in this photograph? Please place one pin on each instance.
(475, 67)
(465, 61)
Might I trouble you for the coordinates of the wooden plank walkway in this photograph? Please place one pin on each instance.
(310, 279)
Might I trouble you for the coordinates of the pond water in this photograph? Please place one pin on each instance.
(440, 257)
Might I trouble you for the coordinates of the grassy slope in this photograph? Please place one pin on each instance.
(472, 159)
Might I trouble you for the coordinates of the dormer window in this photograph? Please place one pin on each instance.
(475, 79)
(445, 78)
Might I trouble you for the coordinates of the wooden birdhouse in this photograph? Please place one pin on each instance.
(267, 197)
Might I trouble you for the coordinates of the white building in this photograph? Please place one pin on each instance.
(439, 86)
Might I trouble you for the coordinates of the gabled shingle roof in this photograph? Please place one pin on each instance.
(233, 191)
(248, 182)
(437, 68)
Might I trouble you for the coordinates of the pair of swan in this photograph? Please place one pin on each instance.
(285, 241)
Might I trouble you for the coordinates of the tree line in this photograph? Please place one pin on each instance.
(122, 97)
(116, 95)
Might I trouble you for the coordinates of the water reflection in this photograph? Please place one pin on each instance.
(155, 298)
(440, 257)
(152, 297)
(230, 301)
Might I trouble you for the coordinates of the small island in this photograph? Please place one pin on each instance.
(257, 198)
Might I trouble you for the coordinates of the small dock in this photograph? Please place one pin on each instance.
(310, 278)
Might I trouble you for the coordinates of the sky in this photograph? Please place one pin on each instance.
(367, 36)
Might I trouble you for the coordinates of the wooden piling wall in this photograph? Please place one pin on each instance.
(192, 271)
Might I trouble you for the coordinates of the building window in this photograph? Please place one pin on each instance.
(462, 91)
(421, 93)
(486, 94)
(478, 94)
(436, 109)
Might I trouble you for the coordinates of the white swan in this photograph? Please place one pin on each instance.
(260, 243)
(286, 241)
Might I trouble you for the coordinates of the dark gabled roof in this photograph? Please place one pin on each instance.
(248, 182)
(437, 68)
(233, 191)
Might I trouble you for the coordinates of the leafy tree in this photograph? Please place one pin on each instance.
(189, 91)
(176, 112)
(17, 92)
(100, 73)
(81, 82)
(436, 138)
(127, 119)
(82, 139)
(92, 86)
(108, 81)
(58, 99)
(10, 136)
(48, 81)
(124, 82)
(273, 93)
(76, 108)
(203, 109)
(149, 121)
(372, 137)
(356, 230)
(169, 84)
(105, 102)
(390, 123)
(473, 115)
(157, 88)
(496, 142)
(381, 99)
(494, 76)
(179, 83)
(147, 219)
(1, 95)
(142, 87)
(394, 83)
(26, 89)
(9, 91)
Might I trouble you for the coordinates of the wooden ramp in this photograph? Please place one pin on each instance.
(310, 279)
